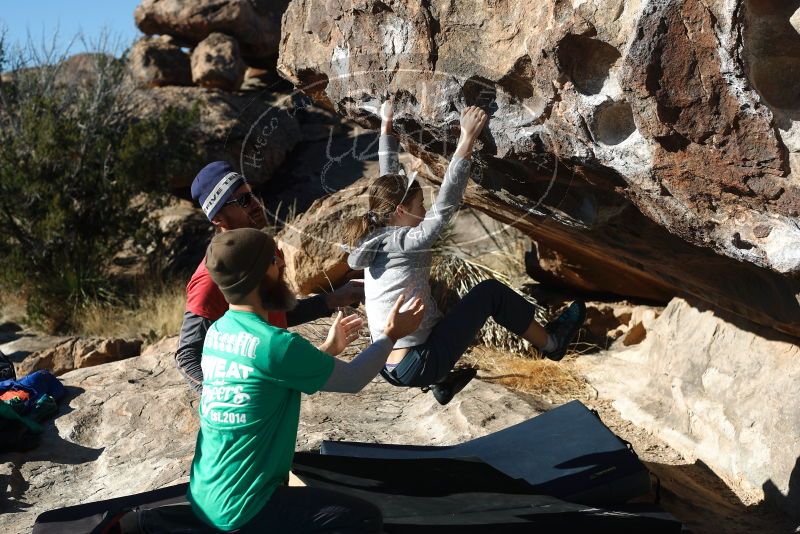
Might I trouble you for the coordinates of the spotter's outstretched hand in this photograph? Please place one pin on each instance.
(402, 323)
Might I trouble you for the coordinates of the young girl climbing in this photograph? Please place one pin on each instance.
(393, 243)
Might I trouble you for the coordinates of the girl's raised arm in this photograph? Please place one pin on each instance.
(388, 147)
(422, 237)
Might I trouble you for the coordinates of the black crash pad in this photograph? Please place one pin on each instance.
(103, 516)
(509, 481)
(443, 495)
(428, 495)
(567, 453)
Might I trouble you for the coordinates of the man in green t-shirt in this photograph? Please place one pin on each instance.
(253, 374)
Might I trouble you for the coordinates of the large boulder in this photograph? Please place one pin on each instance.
(312, 242)
(217, 63)
(254, 132)
(186, 232)
(159, 61)
(716, 390)
(131, 426)
(654, 139)
(256, 24)
(77, 353)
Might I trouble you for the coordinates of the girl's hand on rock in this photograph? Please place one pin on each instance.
(387, 114)
(473, 119)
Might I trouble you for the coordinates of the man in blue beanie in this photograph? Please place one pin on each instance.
(229, 203)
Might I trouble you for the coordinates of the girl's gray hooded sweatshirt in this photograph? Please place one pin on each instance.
(397, 259)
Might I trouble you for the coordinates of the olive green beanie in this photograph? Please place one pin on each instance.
(237, 260)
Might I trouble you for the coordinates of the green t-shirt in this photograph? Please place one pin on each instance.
(253, 374)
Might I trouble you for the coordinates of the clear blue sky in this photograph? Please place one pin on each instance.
(43, 17)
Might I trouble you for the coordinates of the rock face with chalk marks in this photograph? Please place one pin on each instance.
(653, 145)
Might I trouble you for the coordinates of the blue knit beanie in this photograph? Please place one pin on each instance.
(214, 185)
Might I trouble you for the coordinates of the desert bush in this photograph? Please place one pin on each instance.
(156, 312)
(73, 155)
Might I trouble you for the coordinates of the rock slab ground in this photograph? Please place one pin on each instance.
(130, 426)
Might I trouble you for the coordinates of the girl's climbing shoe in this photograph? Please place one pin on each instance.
(454, 382)
(564, 328)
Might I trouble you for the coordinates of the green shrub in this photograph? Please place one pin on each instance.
(79, 172)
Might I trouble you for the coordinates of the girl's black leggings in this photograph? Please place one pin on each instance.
(430, 362)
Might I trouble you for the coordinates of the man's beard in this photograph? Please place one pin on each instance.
(277, 295)
(258, 221)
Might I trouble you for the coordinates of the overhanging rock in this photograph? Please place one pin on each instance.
(670, 121)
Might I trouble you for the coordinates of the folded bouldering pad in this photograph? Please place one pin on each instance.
(104, 517)
(466, 496)
(428, 495)
(567, 453)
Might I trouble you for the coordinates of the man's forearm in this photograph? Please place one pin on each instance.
(188, 360)
(352, 376)
(190, 349)
(308, 309)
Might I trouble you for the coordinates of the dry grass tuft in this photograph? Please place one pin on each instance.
(452, 277)
(507, 253)
(13, 307)
(540, 377)
(158, 313)
(282, 217)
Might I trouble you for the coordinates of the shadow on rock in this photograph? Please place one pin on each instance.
(72, 392)
(789, 502)
(12, 487)
(50, 448)
(790, 303)
(703, 501)
(319, 167)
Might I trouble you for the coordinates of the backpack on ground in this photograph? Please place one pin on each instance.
(6, 368)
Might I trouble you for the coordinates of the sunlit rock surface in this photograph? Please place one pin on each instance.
(717, 390)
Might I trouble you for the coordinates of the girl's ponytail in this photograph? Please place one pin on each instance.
(356, 228)
(384, 195)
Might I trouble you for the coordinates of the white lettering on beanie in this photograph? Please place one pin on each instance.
(216, 194)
